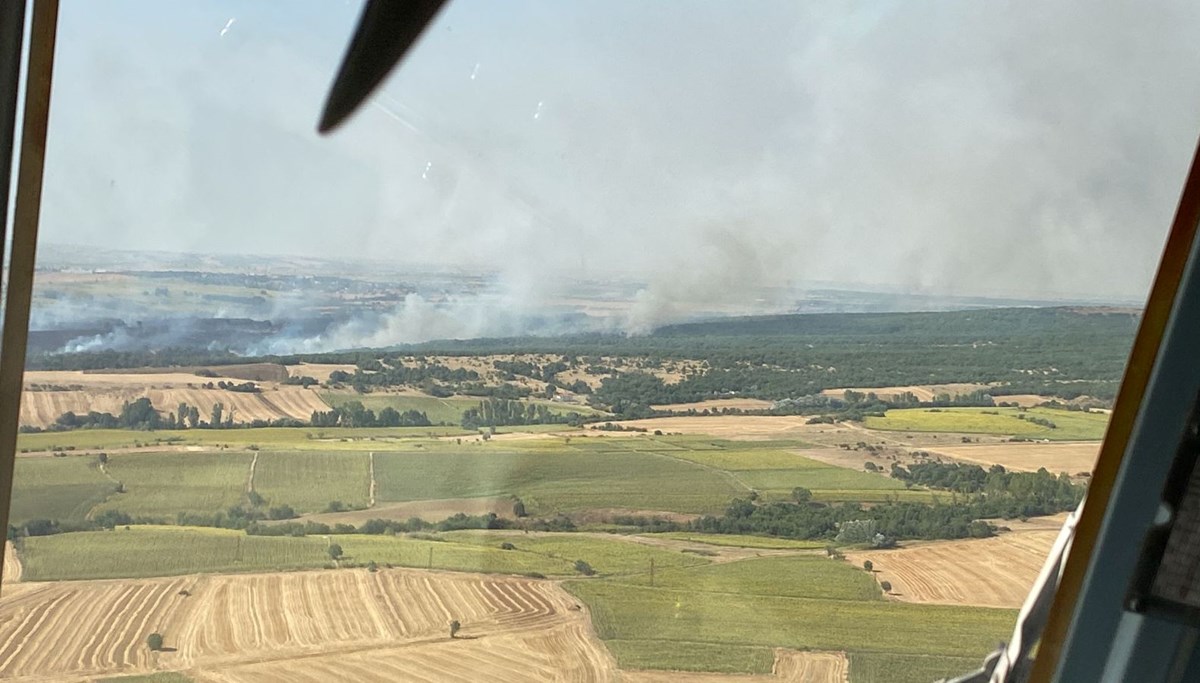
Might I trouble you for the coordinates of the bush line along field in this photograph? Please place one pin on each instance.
(148, 551)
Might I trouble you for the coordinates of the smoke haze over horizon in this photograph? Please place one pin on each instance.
(710, 152)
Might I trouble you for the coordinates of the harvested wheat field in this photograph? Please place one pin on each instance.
(746, 427)
(280, 626)
(923, 392)
(791, 666)
(42, 408)
(985, 572)
(1070, 457)
(716, 404)
(565, 652)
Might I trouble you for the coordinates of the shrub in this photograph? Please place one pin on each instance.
(154, 641)
(584, 568)
(886, 586)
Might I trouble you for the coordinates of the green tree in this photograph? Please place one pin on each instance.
(801, 495)
(868, 565)
(154, 641)
(454, 628)
(584, 568)
(335, 551)
(886, 586)
(217, 409)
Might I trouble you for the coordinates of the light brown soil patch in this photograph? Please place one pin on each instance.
(790, 666)
(318, 371)
(987, 572)
(1072, 457)
(923, 392)
(717, 404)
(301, 626)
(749, 427)
(256, 372)
(12, 564)
(1023, 400)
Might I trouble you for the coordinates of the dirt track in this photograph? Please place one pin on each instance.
(300, 626)
(12, 565)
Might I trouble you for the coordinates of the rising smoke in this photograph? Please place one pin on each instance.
(1031, 149)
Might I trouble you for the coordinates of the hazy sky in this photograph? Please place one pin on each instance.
(951, 147)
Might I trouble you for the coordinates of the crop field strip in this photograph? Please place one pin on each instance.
(57, 488)
(269, 620)
(985, 572)
(165, 483)
(790, 666)
(727, 617)
(308, 481)
(550, 475)
(42, 408)
(1070, 425)
(148, 551)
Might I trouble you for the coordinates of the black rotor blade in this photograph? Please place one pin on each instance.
(386, 31)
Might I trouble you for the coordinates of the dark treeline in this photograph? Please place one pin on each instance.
(996, 495)
(499, 412)
(354, 414)
(253, 522)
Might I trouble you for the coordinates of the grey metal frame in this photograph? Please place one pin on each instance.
(1105, 642)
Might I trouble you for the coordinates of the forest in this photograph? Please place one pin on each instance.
(1063, 352)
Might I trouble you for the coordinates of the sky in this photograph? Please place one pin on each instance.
(704, 148)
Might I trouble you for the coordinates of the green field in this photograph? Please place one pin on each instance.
(740, 607)
(309, 481)
(65, 489)
(143, 551)
(876, 667)
(439, 410)
(607, 556)
(801, 576)
(163, 551)
(1070, 425)
(162, 484)
(277, 438)
(551, 475)
(556, 481)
